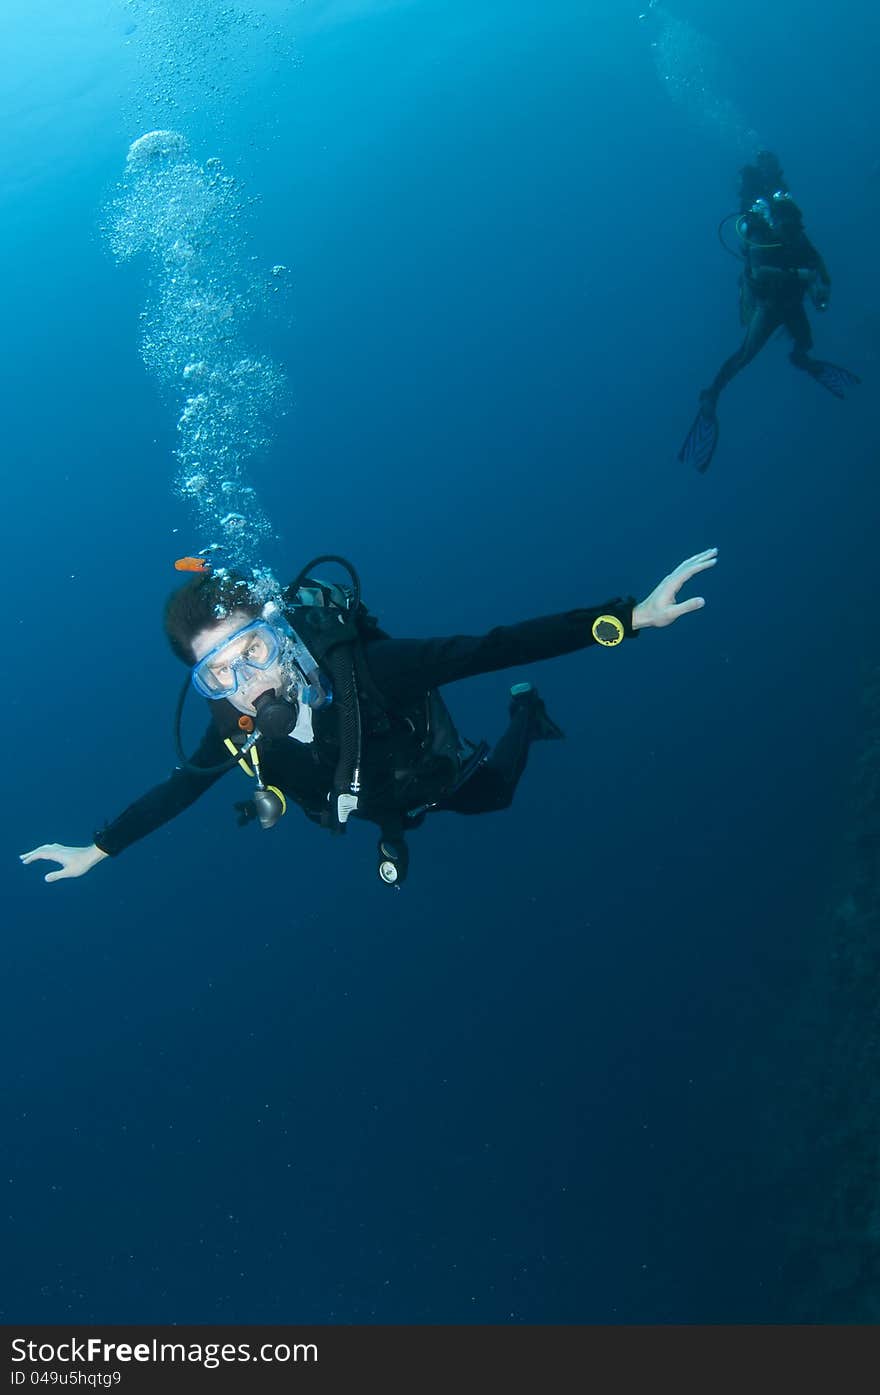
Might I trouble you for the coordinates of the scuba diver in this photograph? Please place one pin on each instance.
(319, 706)
(781, 267)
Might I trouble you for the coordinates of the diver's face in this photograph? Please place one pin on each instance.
(251, 683)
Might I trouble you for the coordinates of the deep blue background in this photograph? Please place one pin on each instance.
(244, 1082)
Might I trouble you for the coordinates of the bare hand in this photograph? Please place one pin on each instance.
(75, 862)
(660, 608)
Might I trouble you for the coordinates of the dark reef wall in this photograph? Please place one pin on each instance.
(825, 1139)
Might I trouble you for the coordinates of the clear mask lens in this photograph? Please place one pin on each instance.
(234, 663)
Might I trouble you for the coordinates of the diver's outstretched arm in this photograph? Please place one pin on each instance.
(661, 608)
(75, 862)
(402, 669)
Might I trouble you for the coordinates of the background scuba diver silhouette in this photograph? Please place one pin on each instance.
(781, 267)
(320, 706)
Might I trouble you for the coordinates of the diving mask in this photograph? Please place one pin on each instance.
(233, 663)
(256, 648)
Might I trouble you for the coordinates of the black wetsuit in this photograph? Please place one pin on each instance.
(781, 264)
(772, 297)
(403, 671)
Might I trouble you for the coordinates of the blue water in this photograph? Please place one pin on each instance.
(244, 1082)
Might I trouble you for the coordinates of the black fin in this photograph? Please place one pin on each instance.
(831, 376)
(701, 440)
(541, 725)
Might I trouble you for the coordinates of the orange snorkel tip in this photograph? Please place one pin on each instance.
(192, 564)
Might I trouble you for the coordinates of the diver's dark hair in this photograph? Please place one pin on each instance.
(760, 180)
(769, 165)
(200, 603)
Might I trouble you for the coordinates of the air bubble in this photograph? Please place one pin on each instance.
(185, 220)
